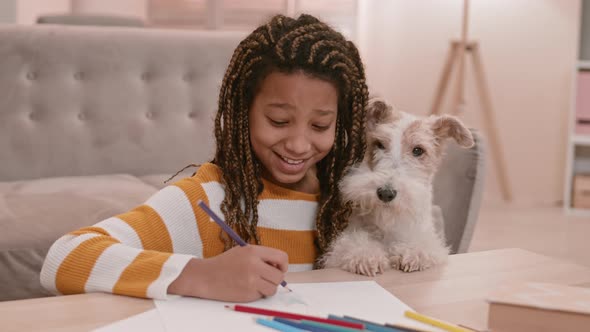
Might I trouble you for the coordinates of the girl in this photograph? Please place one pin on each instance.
(290, 121)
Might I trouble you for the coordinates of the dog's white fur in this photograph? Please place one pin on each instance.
(400, 233)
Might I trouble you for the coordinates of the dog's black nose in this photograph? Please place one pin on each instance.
(386, 194)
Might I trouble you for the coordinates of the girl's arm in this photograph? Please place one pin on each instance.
(141, 252)
(138, 253)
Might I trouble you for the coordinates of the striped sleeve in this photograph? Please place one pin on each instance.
(138, 253)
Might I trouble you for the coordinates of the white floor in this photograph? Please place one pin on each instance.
(545, 230)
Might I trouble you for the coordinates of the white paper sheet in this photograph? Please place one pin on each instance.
(360, 299)
(149, 321)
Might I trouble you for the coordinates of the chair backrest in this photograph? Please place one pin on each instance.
(458, 188)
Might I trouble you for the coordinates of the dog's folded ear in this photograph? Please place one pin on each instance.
(448, 126)
(378, 112)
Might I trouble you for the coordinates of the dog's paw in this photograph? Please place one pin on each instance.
(411, 259)
(369, 265)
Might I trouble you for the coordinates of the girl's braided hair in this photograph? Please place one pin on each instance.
(288, 45)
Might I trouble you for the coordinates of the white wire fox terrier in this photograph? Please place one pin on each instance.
(391, 225)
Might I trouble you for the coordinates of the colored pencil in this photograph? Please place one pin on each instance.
(229, 231)
(394, 327)
(434, 322)
(277, 325)
(290, 315)
(371, 326)
(328, 326)
(297, 324)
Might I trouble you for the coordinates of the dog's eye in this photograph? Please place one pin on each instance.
(379, 145)
(417, 151)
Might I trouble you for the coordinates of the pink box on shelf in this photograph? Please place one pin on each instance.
(583, 103)
(581, 192)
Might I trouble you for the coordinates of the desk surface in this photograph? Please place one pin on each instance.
(455, 292)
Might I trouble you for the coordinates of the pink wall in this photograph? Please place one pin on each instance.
(135, 8)
(27, 11)
(529, 49)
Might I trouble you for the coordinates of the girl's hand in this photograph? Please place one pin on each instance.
(241, 274)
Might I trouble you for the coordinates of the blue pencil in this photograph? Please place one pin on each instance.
(228, 230)
(277, 325)
(374, 327)
(299, 325)
(394, 327)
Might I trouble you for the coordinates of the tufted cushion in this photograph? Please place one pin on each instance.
(35, 213)
(89, 100)
(20, 274)
(157, 180)
(161, 180)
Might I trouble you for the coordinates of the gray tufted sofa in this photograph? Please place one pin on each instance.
(93, 120)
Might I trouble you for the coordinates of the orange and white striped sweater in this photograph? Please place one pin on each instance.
(140, 252)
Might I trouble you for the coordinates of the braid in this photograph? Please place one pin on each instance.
(287, 45)
(287, 38)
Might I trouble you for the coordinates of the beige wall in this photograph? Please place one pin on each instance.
(529, 49)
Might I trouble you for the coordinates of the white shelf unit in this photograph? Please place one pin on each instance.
(582, 140)
(578, 147)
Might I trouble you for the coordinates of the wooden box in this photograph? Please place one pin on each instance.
(581, 192)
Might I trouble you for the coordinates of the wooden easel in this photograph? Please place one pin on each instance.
(456, 55)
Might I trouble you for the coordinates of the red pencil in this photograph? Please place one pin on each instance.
(289, 315)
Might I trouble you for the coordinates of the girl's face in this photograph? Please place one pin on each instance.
(292, 127)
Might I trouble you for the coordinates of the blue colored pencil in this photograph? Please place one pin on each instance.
(330, 327)
(299, 325)
(228, 230)
(277, 325)
(371, 326)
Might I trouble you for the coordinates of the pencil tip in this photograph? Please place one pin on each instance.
(289, 289)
